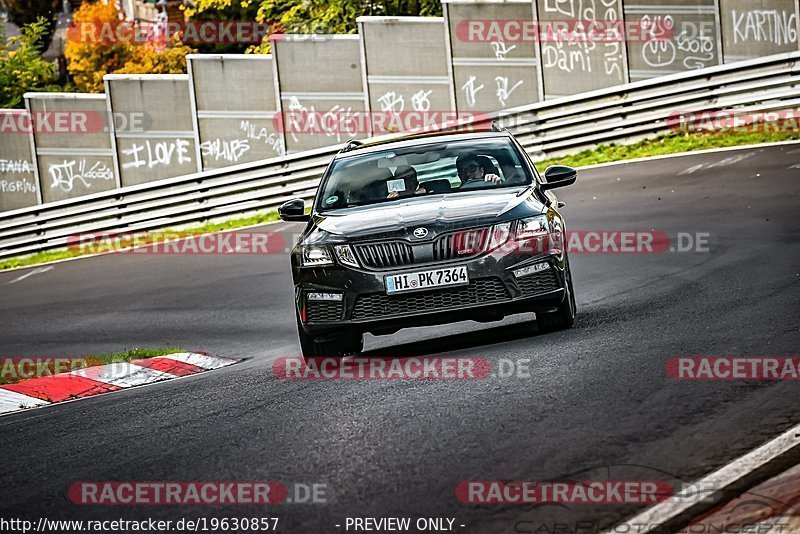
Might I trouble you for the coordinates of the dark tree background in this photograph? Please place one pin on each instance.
(22, 12)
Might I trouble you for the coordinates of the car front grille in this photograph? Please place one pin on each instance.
(452, 246)
(323, 310)
(461, 244)
(540, 282)
(480, 291)
(386, 254)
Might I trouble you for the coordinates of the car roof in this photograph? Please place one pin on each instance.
(355, 148)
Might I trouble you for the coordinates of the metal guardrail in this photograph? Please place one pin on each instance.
(546, 128)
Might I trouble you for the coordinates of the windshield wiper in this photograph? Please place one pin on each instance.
(525, 190)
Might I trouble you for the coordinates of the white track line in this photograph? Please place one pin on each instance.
(31, 273)
(685, 505)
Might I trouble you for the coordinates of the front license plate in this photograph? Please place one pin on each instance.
(451, 276)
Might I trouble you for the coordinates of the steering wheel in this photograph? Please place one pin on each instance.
(474, 184)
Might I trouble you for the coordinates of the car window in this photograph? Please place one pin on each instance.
(413, 172)
(446, 169)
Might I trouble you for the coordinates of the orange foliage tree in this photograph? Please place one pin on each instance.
(100, 42)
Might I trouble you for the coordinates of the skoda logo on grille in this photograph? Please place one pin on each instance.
(420, 232)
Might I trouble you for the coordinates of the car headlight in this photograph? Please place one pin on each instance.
(315, 256)
(500, 234)
(532, 227)
(345, 255)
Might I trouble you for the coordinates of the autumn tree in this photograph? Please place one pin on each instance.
(222, 10)
(93, 54)
(311, 16)
(97, 45)
(152, 57)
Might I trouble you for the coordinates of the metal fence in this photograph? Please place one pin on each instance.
(545, 129)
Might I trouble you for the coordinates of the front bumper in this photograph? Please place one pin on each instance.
(493, 293)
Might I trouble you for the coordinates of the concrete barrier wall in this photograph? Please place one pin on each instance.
(232, 109)
(19, 187)
(321, 85)
(405, 66)
(756, 28)
(694, 43)
(167, 144)
(235, 103)
(575, 67)
(74, 155)
(491, 74)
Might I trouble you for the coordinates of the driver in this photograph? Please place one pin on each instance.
(470, 169)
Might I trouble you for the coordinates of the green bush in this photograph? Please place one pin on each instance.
(22, 67)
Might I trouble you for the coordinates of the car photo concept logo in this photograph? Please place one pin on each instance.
(420, 233)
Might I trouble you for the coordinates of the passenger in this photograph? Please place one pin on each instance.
(411, 183)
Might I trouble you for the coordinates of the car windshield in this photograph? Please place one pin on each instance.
(430, 169)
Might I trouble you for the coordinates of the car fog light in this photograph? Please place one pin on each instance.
(530, 269)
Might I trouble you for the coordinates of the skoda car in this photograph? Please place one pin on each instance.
(428, 229)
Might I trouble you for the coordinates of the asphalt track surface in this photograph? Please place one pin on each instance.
(597, 403)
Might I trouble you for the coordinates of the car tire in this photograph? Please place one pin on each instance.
(349, 343)
(564, 316)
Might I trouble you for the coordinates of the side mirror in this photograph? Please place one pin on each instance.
(558, 176)
(293, 210)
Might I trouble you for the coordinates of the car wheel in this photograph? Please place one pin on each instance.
(564, 316)
(349, 343)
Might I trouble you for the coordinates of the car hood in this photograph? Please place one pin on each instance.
(436, 213)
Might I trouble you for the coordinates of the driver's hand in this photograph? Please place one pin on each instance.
(393, 194)
(420, 191)
(492, 178)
